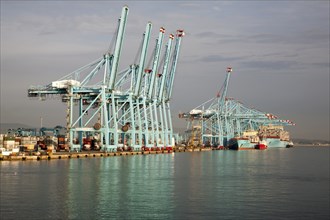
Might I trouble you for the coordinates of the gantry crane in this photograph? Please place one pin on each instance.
(122, 107)
(222, 118)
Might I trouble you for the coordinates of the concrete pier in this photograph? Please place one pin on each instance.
(90, 154)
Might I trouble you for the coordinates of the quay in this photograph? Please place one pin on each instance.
(89, 154)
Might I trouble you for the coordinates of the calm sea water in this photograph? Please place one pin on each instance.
(273, 184)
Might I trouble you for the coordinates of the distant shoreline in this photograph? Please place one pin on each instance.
(311, 145)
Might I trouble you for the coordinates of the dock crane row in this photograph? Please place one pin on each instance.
(222, 122)
(128, 108)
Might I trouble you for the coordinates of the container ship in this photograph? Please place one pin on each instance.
(247, 141)
(275, 136)
(270, 136)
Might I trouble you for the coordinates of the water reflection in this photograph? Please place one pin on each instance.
(197, 185)
(30, 186)
(120, 187)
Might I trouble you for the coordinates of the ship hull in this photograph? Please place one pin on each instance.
(276, 143)
(261, 146)
(240, 144)
(290, 144)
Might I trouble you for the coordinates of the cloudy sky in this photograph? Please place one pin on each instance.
(279, 52)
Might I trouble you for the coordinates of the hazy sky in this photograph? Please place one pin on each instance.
(279, 52)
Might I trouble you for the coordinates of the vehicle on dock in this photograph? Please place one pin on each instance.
(8, 152)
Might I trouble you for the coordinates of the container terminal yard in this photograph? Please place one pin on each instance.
(112, 112)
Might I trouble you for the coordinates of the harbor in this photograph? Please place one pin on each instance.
(114, 111)
(164, 110)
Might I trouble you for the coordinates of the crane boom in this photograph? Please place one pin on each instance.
(155, 63)
(179, 36)
(146, 38)
(119, 42)
(225, 90)
(165, 68)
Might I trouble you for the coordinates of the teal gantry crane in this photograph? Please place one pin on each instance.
(119, 108)
(221, 118)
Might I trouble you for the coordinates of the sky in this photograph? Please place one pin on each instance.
(279, 52)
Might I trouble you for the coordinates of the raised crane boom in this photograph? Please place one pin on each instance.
(222, 99)
(155, 63)
(146, 38)
(118, 47)
(165, 68)
(179, 35)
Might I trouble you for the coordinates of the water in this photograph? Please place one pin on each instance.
(273, 184)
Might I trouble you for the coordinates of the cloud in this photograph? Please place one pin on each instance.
(307, 37)
(60, 24)
(208, 34)
(321, 65)
(269, 65)
(219, 58)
